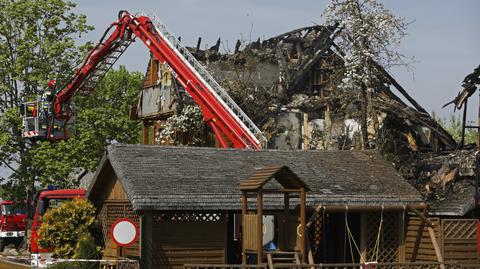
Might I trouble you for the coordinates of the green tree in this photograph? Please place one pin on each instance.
(103, 118)
(65, 228)
(454, 127)
(37, 43)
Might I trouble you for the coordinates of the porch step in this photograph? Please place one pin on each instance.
(282, 257)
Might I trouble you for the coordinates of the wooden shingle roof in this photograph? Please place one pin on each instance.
(283, 174)
(189, 178)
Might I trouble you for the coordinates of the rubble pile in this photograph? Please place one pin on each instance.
(440, 175)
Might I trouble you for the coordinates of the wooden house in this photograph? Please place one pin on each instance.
(188, 204)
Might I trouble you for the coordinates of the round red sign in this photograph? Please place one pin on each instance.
(124, 232)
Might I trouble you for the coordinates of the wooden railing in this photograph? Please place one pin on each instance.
(415, 265)
(224, 266)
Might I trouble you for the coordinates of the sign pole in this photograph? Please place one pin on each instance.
(124, 233)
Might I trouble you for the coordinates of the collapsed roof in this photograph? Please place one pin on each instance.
(299, 68)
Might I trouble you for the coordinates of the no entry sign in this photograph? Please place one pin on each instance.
(124, 232)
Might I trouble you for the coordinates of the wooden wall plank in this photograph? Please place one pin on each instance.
(426, 251)
(178, 243)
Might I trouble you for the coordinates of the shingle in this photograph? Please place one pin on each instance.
(459, 201)
(187, 178)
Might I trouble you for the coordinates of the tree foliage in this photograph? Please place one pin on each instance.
(67, 225)
(453, 125)
(103, 118)
(37, 43)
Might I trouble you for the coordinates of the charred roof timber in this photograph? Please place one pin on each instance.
(470, 86)
(297, 55)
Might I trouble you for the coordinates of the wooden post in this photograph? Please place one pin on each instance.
(286, 213)
(145, 133)
(401, 237)
(146, 243)
(259, 227)
(118, 256)
(363, 237)
(302, 223)
(244, 215)
(418, 239)
(154, 71)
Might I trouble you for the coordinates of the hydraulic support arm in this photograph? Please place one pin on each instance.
(227, 120)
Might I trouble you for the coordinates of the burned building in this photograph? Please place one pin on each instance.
(288, 86)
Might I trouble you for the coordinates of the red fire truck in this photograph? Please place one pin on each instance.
(44, 200)
(12, 223)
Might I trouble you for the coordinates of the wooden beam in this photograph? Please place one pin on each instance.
(418, 239)
(145, 131)
(398, 86)
(363, 237)
(438, 251)
(244, 214)
(421, 215)
(401, 236)
(464, 122)
(259, 227)
(281, 191)
(303, 223)
(146, 243)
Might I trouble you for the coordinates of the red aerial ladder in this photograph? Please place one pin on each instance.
(49, 117)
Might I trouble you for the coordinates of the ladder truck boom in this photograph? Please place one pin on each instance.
(219, 110)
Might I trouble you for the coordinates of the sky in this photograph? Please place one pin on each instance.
(443, 38)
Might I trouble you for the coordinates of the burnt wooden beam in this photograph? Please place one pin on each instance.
(398, 86)
(305, 66)
(416, 117)
(464, 122)
(199, 42)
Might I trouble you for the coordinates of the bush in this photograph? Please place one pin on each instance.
(67, 230)
(85, 249)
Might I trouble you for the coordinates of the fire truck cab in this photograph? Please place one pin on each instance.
(44, 200)
(12, 224)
